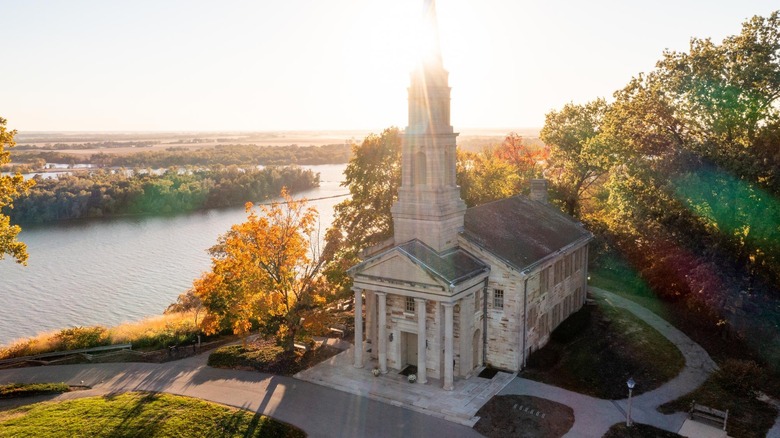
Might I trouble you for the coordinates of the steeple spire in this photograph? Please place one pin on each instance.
(431, 53)
(429, 207)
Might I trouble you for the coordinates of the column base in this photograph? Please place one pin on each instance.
(448, 388)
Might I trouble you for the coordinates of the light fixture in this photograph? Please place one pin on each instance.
(630, 383)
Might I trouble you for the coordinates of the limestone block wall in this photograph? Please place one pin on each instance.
(546, 310)
(504, 326)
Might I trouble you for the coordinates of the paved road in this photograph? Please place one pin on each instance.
(319, 411)
(325, 412)
(594, 416)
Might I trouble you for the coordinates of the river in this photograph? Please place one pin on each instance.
(114, 270)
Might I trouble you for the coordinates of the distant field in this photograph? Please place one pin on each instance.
(187, 140)
(469, 139)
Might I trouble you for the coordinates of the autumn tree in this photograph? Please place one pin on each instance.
(484, 177)
(266, 271)
(11, 187)
(499, 171)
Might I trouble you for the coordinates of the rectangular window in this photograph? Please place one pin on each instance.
(477, 300)
(544, 280)
(498, 298)
(410, 304)
(567, 261)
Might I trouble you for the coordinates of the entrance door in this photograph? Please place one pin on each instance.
(410, 348)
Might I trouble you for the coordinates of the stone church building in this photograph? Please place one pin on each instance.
(457, 289)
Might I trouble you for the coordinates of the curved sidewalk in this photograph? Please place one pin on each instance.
(594, 416)
(319, 411)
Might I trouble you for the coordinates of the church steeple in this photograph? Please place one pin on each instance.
(429, 207)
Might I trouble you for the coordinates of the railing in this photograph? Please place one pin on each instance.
(14, 360)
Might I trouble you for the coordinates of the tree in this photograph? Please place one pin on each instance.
(266, 271)
(10, 188)
(484, 177)
(577, 158)
(373, 176)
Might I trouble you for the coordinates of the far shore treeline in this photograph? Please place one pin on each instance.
(104, 193)
(226, 155)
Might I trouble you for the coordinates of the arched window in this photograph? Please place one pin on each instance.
(418, 164)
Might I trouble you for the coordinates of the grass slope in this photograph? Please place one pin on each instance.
(139, 414)
(15, 390)
(598, 348)
(265, 356)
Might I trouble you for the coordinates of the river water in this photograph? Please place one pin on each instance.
(114, 270)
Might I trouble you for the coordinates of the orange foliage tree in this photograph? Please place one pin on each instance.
(265, 271)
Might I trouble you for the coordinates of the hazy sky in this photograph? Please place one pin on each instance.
(327, 64)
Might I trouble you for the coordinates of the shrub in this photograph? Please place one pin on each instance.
(82, 337)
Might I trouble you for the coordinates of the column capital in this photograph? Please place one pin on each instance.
(378, 293)
(420, 300)
(450, 305)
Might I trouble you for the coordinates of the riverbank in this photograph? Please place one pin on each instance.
(108, 271)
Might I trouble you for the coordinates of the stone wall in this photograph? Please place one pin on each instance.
(545, 310)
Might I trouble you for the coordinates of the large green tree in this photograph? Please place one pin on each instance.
(373, 176)
(10, 187)
(577, 156)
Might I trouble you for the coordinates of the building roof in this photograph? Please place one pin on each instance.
(452, 266)
(521, 231)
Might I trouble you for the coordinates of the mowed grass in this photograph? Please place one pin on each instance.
(14, 390)
(615, 275)
(748, 416)
(265, 356)
(598, 348)
(139, 415)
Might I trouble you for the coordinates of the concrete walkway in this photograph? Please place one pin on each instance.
(459, 405)
(319, 411)
(594, 416)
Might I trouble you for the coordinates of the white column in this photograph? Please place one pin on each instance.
(381, 298)
(370, 319)
(358, 328)
(448, 341)
(422, 339)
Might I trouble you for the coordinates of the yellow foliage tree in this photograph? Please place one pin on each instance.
(266, 271)
(11, 186)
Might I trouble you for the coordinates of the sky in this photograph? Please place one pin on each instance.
(192, 65)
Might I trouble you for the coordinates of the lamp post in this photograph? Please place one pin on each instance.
(630, 383)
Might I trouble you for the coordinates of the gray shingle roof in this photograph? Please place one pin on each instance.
(453, 266)
(521, 231)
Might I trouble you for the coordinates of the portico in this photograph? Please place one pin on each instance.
(412, 294)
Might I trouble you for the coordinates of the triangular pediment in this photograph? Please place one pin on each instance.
(397, 267)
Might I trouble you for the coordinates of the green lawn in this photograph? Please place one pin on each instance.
(598, 348)
(139, 415)
(265, 356)
(14, 390)
(615, 275)
(748, 417)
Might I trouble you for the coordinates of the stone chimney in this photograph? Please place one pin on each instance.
(539, 190)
